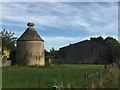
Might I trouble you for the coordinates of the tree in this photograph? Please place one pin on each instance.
(13, 56)
(115, 47)
(51, 55)
(8, 42)
(98, 39)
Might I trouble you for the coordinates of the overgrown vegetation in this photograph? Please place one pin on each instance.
(104, 78)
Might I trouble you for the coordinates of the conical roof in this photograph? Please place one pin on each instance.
(30, 34)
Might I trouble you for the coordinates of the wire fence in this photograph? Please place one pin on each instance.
(99, 78)
(94, 80)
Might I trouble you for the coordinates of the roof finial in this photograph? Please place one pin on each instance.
(30, 24)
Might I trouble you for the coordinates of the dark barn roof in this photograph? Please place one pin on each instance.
(30, 34)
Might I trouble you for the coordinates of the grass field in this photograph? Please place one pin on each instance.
(46, 77)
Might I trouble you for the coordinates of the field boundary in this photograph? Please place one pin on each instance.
(97, 79)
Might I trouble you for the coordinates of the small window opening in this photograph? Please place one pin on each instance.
(36, 57)
(39, 57)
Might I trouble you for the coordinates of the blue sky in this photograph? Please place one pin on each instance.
(62, 23)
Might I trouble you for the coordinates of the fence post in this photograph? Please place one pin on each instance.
(92, 83)
(39, 84)
(99, 75)
(85, 76)
(100, 78)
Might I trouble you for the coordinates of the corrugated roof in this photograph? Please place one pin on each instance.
(30, 34)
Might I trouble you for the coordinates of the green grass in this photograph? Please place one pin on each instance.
(46, 77)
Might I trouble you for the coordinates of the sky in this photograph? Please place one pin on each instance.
(62, 23)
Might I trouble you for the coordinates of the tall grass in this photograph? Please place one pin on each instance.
(107, 78)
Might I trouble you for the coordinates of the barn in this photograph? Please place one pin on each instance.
(93, 51)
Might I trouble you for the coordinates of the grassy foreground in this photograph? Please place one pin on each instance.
(46, 77)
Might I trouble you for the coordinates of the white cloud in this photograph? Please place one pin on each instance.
(68, 15)
(95, 17)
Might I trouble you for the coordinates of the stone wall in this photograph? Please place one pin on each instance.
(30, 53)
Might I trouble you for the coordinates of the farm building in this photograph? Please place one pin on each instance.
(94, 51)
(30, 48)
